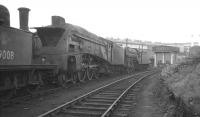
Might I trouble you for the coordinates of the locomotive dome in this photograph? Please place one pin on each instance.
(4, 16)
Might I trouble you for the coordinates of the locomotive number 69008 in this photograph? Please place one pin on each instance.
(7, 55)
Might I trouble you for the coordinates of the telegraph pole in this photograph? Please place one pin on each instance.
(141, 54)
(127, 42)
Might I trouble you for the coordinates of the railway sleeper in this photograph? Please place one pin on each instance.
(116, 89)
(103, 98)
(112, 91)
(96, 104)
(89, 108)
(106, 93)
(100, 100)
(81, 113)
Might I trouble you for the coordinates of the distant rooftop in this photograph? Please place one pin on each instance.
(165, 49)
(140, 42)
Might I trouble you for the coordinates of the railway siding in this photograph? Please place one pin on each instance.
(99, 102)
(28, 106)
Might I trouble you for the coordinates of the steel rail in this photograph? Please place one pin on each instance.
(86, 95)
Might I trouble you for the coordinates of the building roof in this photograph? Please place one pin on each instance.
(165, 49)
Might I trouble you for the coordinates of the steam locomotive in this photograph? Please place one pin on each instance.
(58, 53)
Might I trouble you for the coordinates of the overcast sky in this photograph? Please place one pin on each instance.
(150, 20)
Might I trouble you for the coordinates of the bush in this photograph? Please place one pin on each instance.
(185, 84)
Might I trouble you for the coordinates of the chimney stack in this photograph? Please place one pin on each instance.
(57, 21)
(23, 17)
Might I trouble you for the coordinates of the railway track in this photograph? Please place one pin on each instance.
(114, 99)
(29, 95)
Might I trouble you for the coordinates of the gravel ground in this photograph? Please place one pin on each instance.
(39, 105)
(147, 103)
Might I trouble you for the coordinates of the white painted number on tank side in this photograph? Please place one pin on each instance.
(7, 55)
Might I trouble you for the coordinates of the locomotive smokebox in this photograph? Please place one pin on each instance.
(23, 16)
(4, 16)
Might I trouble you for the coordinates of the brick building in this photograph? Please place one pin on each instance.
(165, 55)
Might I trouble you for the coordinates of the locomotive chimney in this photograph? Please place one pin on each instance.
(57, 21)
(23, 17)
